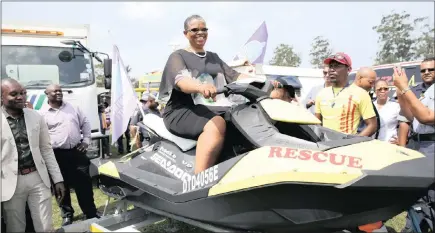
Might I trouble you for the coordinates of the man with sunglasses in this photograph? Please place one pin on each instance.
(420, 111)
(341, 106)
(427, 71)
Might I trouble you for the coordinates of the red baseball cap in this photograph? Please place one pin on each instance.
(339, 57)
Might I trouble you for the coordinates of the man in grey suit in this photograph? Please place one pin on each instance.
(27, 164)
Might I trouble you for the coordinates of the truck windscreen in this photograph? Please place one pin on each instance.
(36, 66)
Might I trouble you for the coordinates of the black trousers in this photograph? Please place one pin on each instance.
(74, 166)
(127, 137)
(105, 144)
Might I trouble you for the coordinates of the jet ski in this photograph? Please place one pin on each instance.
(279, 171)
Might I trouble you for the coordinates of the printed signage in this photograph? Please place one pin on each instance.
(317, 156)
(201, 179)
(190, 182)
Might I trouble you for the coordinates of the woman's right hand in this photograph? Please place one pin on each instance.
(208, 90)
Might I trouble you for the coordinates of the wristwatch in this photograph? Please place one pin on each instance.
(405, 90)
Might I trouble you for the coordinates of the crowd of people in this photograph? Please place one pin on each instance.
(339, 105)
(44, 152)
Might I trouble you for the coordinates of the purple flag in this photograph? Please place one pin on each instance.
(255, 48)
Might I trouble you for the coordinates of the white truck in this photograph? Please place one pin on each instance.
(37, 56)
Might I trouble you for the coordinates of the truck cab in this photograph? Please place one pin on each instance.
(38, 56)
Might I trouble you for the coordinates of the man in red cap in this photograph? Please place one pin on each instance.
(341, 106)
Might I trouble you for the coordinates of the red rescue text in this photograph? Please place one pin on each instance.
(318, 156)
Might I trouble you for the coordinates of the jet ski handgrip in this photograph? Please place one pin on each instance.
(221, 90)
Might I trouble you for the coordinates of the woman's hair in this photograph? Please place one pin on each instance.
(290, 90)
(190, 18)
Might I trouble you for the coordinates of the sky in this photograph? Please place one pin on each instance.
(144, 31)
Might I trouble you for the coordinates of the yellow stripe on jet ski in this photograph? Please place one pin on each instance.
(284, 111)
(273, 165)
(305, 177)
(109, 169)
(377, 155)
(97, 228)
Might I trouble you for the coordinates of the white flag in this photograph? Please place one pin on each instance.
(124, 97)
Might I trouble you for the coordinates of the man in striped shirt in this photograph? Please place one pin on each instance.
(66, 123)
(341, 106)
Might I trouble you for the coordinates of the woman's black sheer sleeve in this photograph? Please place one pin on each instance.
(171, 74)
(230, 74)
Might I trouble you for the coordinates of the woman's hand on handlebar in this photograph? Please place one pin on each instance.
(208, 90)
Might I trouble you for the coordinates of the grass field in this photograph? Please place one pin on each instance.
(393, 225)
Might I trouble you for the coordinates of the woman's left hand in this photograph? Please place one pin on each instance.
(400, 79)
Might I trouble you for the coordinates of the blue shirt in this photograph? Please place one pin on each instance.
(312, 95)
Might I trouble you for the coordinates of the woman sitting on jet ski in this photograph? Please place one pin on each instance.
(181, 116)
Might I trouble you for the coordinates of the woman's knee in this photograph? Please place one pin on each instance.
(216, 125)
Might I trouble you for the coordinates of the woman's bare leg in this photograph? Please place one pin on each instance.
(210, 144)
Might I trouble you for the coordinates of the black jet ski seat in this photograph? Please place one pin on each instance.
(156, 124)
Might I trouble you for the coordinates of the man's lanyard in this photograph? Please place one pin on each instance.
(335, 96)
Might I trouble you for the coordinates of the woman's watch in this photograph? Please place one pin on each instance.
(405, 90)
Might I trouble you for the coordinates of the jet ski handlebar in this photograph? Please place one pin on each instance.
(248, 91)
(222, 90)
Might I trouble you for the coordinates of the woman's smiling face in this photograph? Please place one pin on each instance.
(197, 33)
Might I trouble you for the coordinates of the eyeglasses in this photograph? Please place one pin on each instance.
(335, 66)
(196, 30)
(429, 70)
(383, 89)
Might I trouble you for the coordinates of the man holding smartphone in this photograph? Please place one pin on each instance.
(428, 77)
(420, 111)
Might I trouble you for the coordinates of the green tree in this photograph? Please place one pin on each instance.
(284, 55)
(397, 39)
(320, 50)
(99, 75)
(425, 44)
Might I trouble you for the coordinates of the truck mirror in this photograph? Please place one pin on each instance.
(65, 56)
(107, 83)
(108, 68)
